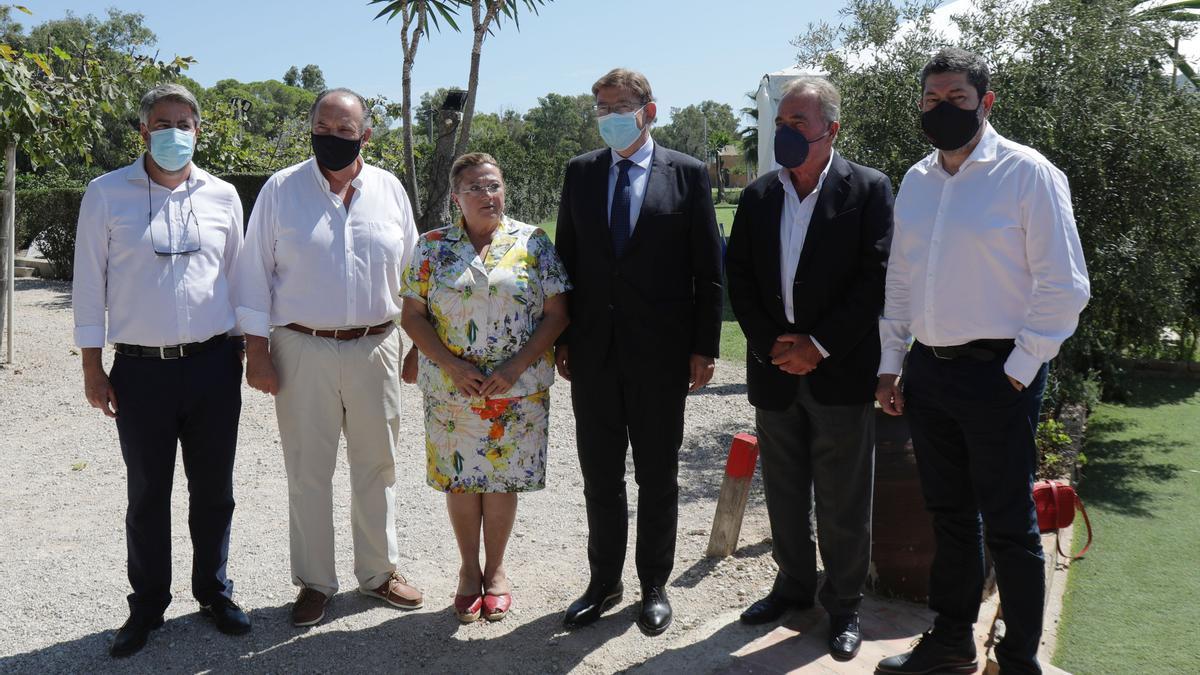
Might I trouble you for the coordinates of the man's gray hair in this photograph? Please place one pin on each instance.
(343, 91)
(827, 94)
(168, 92)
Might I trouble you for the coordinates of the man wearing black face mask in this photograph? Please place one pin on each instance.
(988, 275)
(327, 242)
(806, 265)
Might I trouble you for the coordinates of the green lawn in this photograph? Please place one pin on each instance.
(1133, 604)
(733, 344)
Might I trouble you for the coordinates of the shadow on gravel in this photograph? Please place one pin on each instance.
(702, 458)
(62, 288)
(692, 576)
(430, 640)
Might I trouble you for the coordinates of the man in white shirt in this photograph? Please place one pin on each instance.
(155, 245)
(806, 263)
(987, 274)
(320, 277)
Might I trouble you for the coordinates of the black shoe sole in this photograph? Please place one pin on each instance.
(654, 631)
(843, 656)
(957, 668)
(608, 603)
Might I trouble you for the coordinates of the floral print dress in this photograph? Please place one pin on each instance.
(484, 310)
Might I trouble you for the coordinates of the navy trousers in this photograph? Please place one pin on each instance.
(193, 402)
(973, 435)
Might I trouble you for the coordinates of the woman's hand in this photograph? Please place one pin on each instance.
(501, 380)
(466, 377)
(408, 371)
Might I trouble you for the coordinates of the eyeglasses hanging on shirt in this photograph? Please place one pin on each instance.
(168, 235)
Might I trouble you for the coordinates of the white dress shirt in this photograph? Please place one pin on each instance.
(308, 261)
(793, 228)
(639, 175)
(988, 253)
(155, 300)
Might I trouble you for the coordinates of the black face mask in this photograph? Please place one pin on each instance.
(335, 153)
(791, 147)
(949, 127)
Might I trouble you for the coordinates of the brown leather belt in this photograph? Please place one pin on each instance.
(341, 333)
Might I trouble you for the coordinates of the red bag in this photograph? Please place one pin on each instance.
(1056, 502)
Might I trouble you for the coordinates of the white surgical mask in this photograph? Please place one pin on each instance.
(619, 130)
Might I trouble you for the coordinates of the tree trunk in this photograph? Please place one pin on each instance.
(435, 212)
(8, 245)
(481, 29)
(720, 179)
(410, 55)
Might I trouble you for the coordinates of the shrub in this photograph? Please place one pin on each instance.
(1056, 452)
(248, 186)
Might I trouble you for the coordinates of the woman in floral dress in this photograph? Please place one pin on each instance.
(484, 301)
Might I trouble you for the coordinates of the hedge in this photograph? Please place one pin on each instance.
(53, 212)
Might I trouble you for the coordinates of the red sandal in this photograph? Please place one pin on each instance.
(468, 607)
(496, 606)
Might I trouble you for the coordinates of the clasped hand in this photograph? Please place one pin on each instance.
(471, 382)
(795, 354)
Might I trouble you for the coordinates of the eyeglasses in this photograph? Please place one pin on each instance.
(479, 190)
(619, 108)
(188, 240)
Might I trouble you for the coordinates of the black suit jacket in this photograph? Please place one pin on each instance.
(661, 300)
(838, 291)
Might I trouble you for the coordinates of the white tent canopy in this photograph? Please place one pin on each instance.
(770, 90)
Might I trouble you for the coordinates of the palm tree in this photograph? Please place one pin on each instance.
(1179, 11)
(749, 134)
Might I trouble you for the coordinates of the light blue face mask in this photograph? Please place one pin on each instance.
(619, 130)
(172, 148)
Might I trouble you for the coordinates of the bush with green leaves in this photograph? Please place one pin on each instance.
(1088, 84)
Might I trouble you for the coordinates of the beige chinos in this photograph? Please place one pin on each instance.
(328, 387)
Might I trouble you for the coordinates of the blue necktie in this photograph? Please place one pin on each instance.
(618, 220)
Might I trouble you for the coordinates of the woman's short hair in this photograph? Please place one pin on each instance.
(469, 160)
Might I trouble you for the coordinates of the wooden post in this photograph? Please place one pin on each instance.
(10, 237)
(735, 490)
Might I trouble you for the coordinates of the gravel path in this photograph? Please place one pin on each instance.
(62, 546)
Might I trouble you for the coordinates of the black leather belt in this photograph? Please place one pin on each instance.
(171, 352)
(980, 350)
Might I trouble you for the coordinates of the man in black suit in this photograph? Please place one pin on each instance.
(638, 235)
(806, 265)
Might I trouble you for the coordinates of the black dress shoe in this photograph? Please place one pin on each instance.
(655, 616)
(596, 600)
(771, 608)
(845, 636)
(131, 637)
(932, 655)
(229, 618)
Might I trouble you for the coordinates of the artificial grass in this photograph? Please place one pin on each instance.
(1133, 604)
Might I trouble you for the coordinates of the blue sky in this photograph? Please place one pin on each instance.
(691, 50)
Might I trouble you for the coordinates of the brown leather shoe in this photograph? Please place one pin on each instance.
(396, 592)
(309, 608)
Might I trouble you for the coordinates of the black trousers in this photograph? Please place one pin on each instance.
(824, 456)
(973, 435)
(613, 412)
(193, 402)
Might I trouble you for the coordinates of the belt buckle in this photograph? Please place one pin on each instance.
(162, 352)
(939, 356)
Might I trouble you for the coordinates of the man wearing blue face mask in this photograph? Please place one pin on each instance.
(638, 236)
(155, 246)
(806, 263)
(988, 276)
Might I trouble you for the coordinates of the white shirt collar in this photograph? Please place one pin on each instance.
(640, 157)
(136, 172)
(357, 181)
(785, 177)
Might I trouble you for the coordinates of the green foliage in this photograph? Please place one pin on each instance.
(312, 79)
(1054, 449)
(686, 131)
(51, 214)
(1081, 82)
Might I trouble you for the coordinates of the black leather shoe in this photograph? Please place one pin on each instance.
(931, 655)
(131, 637)
(596, 600)
(655, 616)
(845, 636)
(771, 608)
(229, 618)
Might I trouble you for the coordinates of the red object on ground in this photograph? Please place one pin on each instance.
(743, 455)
